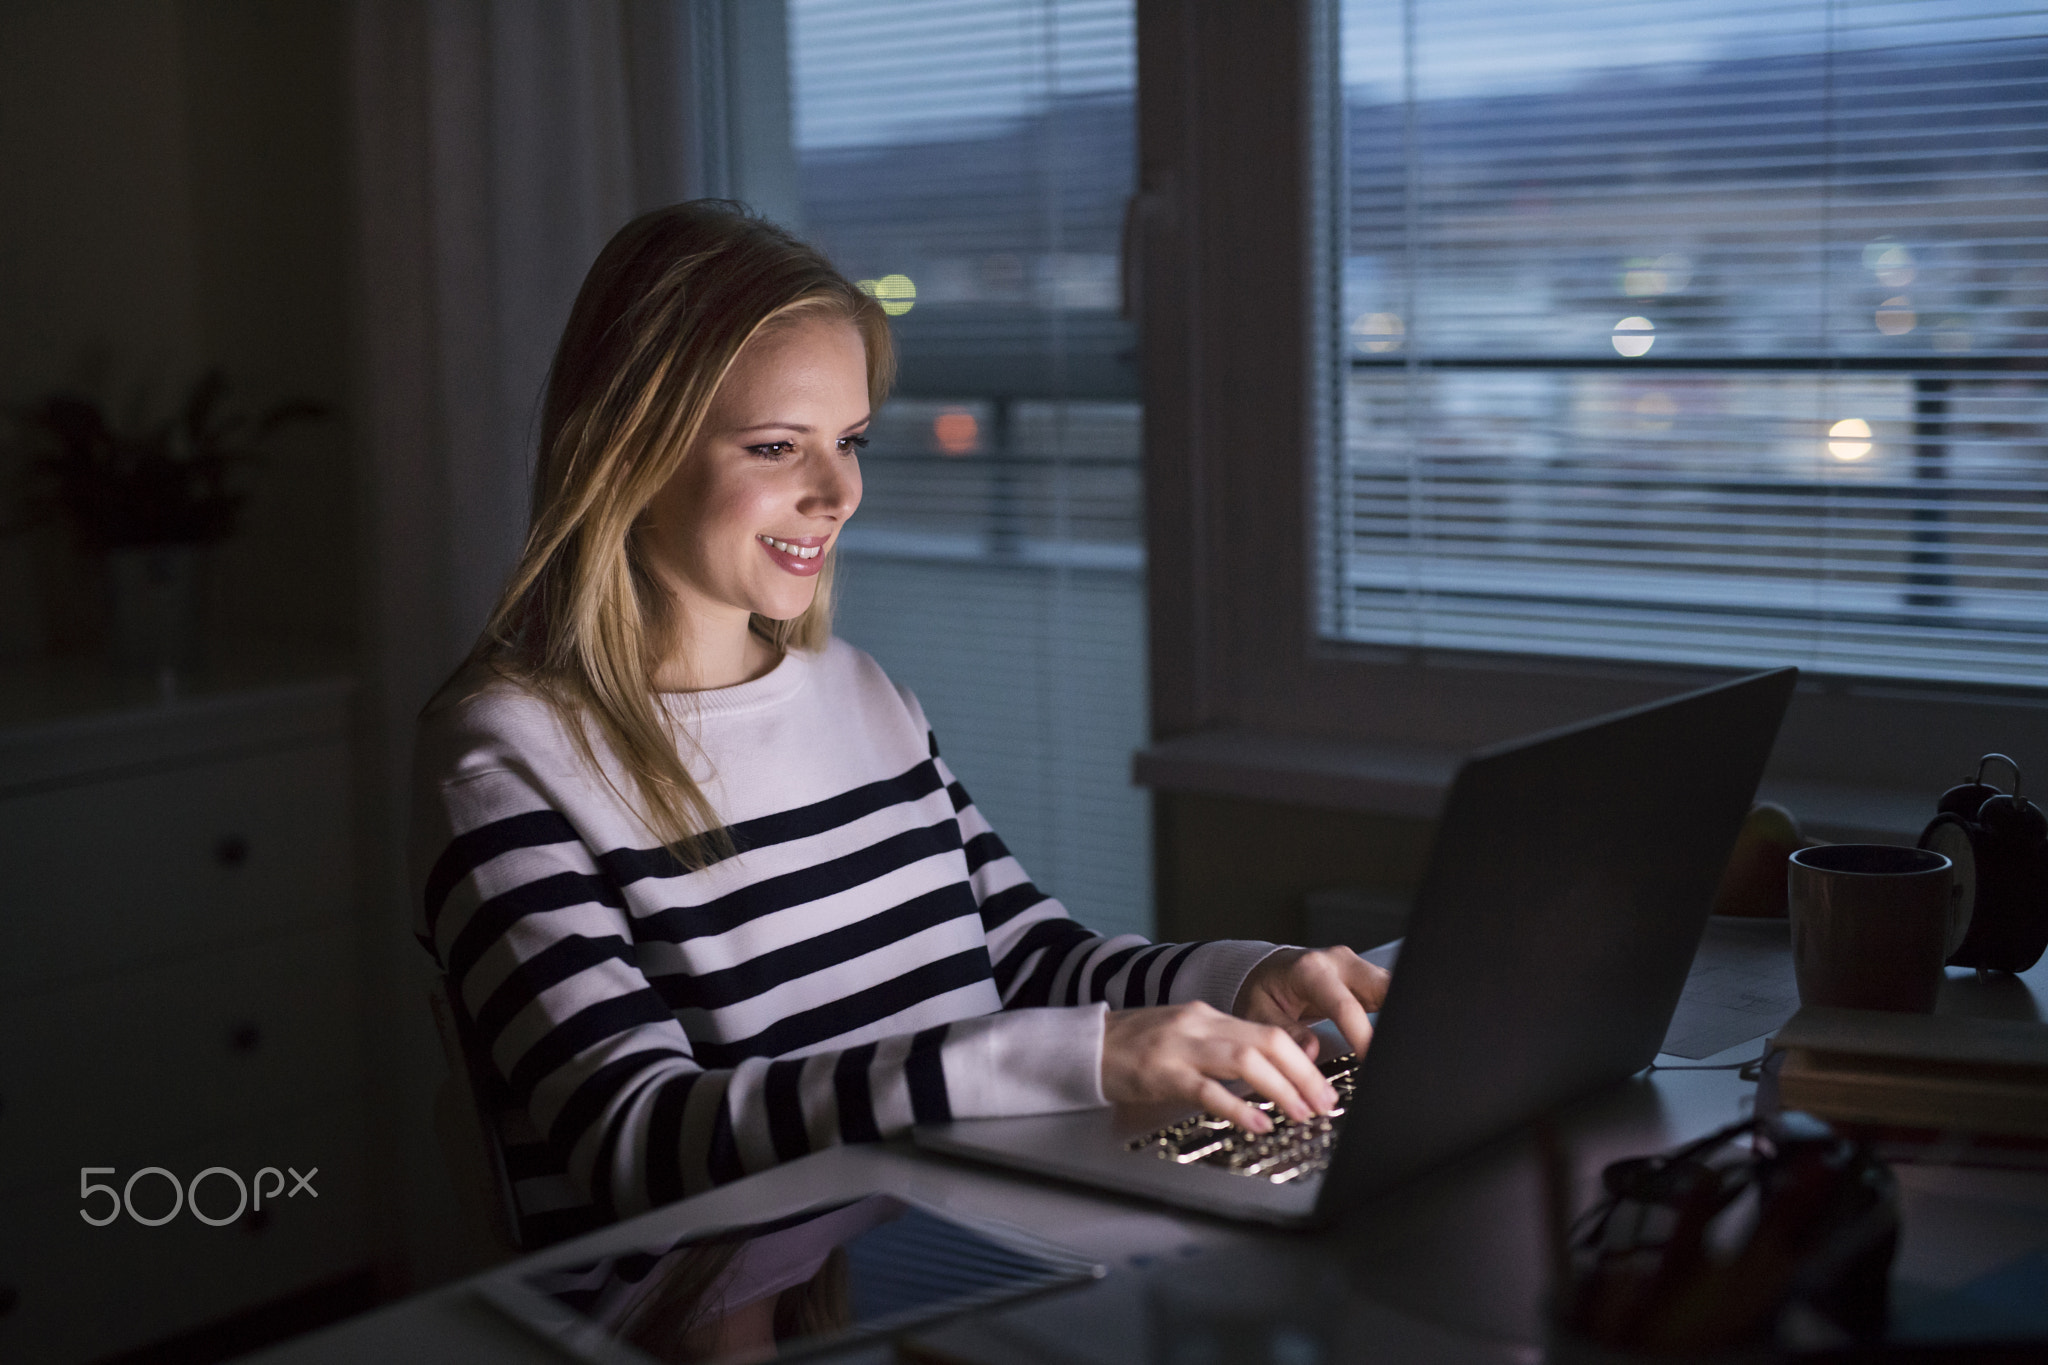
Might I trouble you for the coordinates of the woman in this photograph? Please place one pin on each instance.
(703, 889)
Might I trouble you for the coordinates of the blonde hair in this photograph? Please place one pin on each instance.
(665, 310)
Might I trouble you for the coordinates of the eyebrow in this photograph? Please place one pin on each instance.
(797, 427)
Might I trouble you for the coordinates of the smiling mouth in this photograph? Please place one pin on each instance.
(807, 548)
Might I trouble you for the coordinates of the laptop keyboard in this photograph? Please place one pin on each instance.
(1289, 1151)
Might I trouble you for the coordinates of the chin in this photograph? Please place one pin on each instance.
(785, 610)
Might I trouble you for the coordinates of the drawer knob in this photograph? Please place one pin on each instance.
(231, 851)
(245, 1037)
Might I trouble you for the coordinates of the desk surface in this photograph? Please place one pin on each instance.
(1450, 1268)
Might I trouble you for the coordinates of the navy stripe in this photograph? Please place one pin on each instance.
(961, 800)
(598, 1090)
(551, 966)
(1049, 934)
(1171, 970)
(1004, 906)
(665, 1138)
(983, 849)
(747, 979)
(629, 865)
(469, 851)
(607, 1162)
(586, 1028)
(931, 738)
(829, 1020)
(925, 1070)
(1098, 983)
(682, 923)
(1037, 988)
(785, 1109)
(498, 914)
(856, 1099)
(722, 1160)
(1134, 984)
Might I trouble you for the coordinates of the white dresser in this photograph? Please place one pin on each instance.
(178, 990)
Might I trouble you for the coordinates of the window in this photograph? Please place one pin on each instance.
(1695, 332)
(969, 160)
(1259, 499)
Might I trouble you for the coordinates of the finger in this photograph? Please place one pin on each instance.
(1367, 980)
(1298, 1065)
(1351, 1020)
(1215, 1097)
(1345, 996)
(1260, 1071)
(1356, 1026)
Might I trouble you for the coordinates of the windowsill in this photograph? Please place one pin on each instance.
(1372, 778)
(1393, 780)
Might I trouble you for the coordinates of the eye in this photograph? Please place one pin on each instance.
(773, 450)
(855, 442)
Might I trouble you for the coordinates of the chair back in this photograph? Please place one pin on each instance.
(468, 1133)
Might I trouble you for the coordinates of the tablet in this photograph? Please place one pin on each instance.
(817, 1279)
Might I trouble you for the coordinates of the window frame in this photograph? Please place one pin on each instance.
(1234, 253)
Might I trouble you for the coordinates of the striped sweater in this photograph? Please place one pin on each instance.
(870, 957)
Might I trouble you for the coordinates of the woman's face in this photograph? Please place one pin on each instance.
(746, 522)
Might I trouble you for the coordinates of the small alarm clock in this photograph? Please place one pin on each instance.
(1998, 842)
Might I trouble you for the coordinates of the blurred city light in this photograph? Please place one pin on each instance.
(1654, 411)
(1895, 316)
(897, 293)
(1952, 334)
(1849, 439)
(955, 431)
(1633, 336)
(1644, 277)
(1890, 262)
(1378, 331)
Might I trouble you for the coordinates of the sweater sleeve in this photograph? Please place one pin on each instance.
(537, 945)
(1042, 957)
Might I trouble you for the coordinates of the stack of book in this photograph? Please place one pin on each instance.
(1952, 1087)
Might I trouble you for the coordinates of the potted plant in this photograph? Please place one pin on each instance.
(148, 496)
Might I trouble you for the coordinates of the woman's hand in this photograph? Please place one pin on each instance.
(1187, 1052)
(1295, 987)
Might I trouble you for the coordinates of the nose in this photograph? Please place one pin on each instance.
(831, 486)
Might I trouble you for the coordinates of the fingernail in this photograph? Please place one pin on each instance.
(1260, 1123)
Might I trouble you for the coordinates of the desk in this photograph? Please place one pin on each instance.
(1450, 1268)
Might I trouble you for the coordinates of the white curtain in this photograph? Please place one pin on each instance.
(499, 143)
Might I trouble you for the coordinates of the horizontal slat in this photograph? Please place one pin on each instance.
(1793, 187)
(986, 149)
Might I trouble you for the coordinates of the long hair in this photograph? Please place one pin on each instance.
(584, 621)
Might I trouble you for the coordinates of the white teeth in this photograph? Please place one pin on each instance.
(800, 551)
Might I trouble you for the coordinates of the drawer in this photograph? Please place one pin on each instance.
(111, 873)
(80, 1292)
(109, 1070)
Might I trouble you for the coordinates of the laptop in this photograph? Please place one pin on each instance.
(1564, 897)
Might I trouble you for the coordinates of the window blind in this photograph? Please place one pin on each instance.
(969, 160)
(1695, 330)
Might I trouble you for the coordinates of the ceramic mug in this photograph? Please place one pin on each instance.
(1872, 925)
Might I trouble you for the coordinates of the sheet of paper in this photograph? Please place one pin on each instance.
(1741, 988)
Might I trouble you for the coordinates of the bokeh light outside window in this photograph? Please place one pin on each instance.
(1724, 334)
